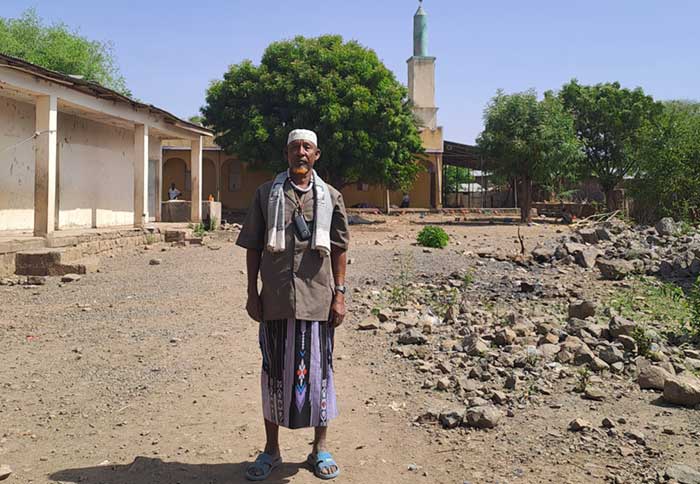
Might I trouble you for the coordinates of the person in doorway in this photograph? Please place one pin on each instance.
(173, 193)
(296, 237)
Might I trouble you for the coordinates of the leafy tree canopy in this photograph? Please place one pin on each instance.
(529, 139)
(610, 121)
(60, 49)
(339, 89)
(455, 176)
(668, 182)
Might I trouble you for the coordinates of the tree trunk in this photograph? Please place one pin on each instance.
(611, 202)
(526, 200)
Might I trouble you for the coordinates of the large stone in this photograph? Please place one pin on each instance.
(475, 346)
(615, 269)
(384, 315)
(575, 326)
(683, 474)
(483, 417)
(412, 337)
(627, 342)
(451, 418)
(693, 364)
(620, 326)
(5, 472)
(549, 350)
(467, 384)
(71, 278)
(665, 227)
(583, 355)
(504, 337)
(603, 233)
(582, 309)
(652, 378)
(583, 255)
(598, 365)
(368, 324)
(36, 280)
(595, 394)
(590, 235)
(579, 424)
(682, 391)
(611, 355)
(542, 254)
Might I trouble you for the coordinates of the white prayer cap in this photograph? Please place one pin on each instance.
(302, 134)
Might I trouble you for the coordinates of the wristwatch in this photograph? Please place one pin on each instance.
(340, 289)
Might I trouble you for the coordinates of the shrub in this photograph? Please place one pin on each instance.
(694, 306)
(199, 230)
(432, 236)
(641, 337)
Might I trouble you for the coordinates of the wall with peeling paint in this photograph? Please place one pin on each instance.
(95, 170)
(95, 173)
(16, 165)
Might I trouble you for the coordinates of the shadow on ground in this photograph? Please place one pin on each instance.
(145, 470)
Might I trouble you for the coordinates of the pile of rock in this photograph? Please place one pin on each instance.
(494, 364)
(619, 250)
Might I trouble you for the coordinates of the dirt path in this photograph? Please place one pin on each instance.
(148, 374)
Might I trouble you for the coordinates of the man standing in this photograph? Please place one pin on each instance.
(296, 236)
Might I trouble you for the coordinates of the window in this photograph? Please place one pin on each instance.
(234, 176)
(362, 187)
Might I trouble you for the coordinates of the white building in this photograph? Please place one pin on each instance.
(74, 154)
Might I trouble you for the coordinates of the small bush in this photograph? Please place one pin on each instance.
(213, 224)
(694, 306)
(199, 230)
(434, 237)
(640, 336)
(583, 379)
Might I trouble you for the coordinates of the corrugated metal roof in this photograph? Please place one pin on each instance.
(94, 89)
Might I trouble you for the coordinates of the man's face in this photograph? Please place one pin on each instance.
(301, 156)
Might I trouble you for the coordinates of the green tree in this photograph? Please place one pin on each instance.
(60, 49)
(455, 176)
(668, 182)
(530, 140)
(610, 121)
(196, 119)
(341, 90)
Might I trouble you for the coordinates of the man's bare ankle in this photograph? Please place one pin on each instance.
(273, 451)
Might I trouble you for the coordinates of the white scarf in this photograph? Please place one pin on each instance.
(323, 215)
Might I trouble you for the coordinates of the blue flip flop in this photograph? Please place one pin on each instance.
(264, 462)
(321, 461)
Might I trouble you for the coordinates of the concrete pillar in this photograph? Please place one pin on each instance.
(45, 165)
(140, 175)
(438, 181)
(196, 179)
(159, 185)
(218, 177)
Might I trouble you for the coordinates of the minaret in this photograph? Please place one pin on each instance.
(421, 73)
(421, 92)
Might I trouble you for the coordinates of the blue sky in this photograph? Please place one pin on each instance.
(169, 51)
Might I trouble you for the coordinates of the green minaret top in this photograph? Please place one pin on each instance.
(420, 32)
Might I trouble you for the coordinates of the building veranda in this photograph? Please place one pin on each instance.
(74, 154)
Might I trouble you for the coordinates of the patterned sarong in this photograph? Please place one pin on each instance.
(297, 373)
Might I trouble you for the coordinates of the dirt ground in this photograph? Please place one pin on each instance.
(149, 374)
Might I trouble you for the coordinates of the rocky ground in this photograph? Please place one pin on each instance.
(476, 363)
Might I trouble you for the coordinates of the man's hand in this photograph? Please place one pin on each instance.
(338, 309)
(254, 306)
